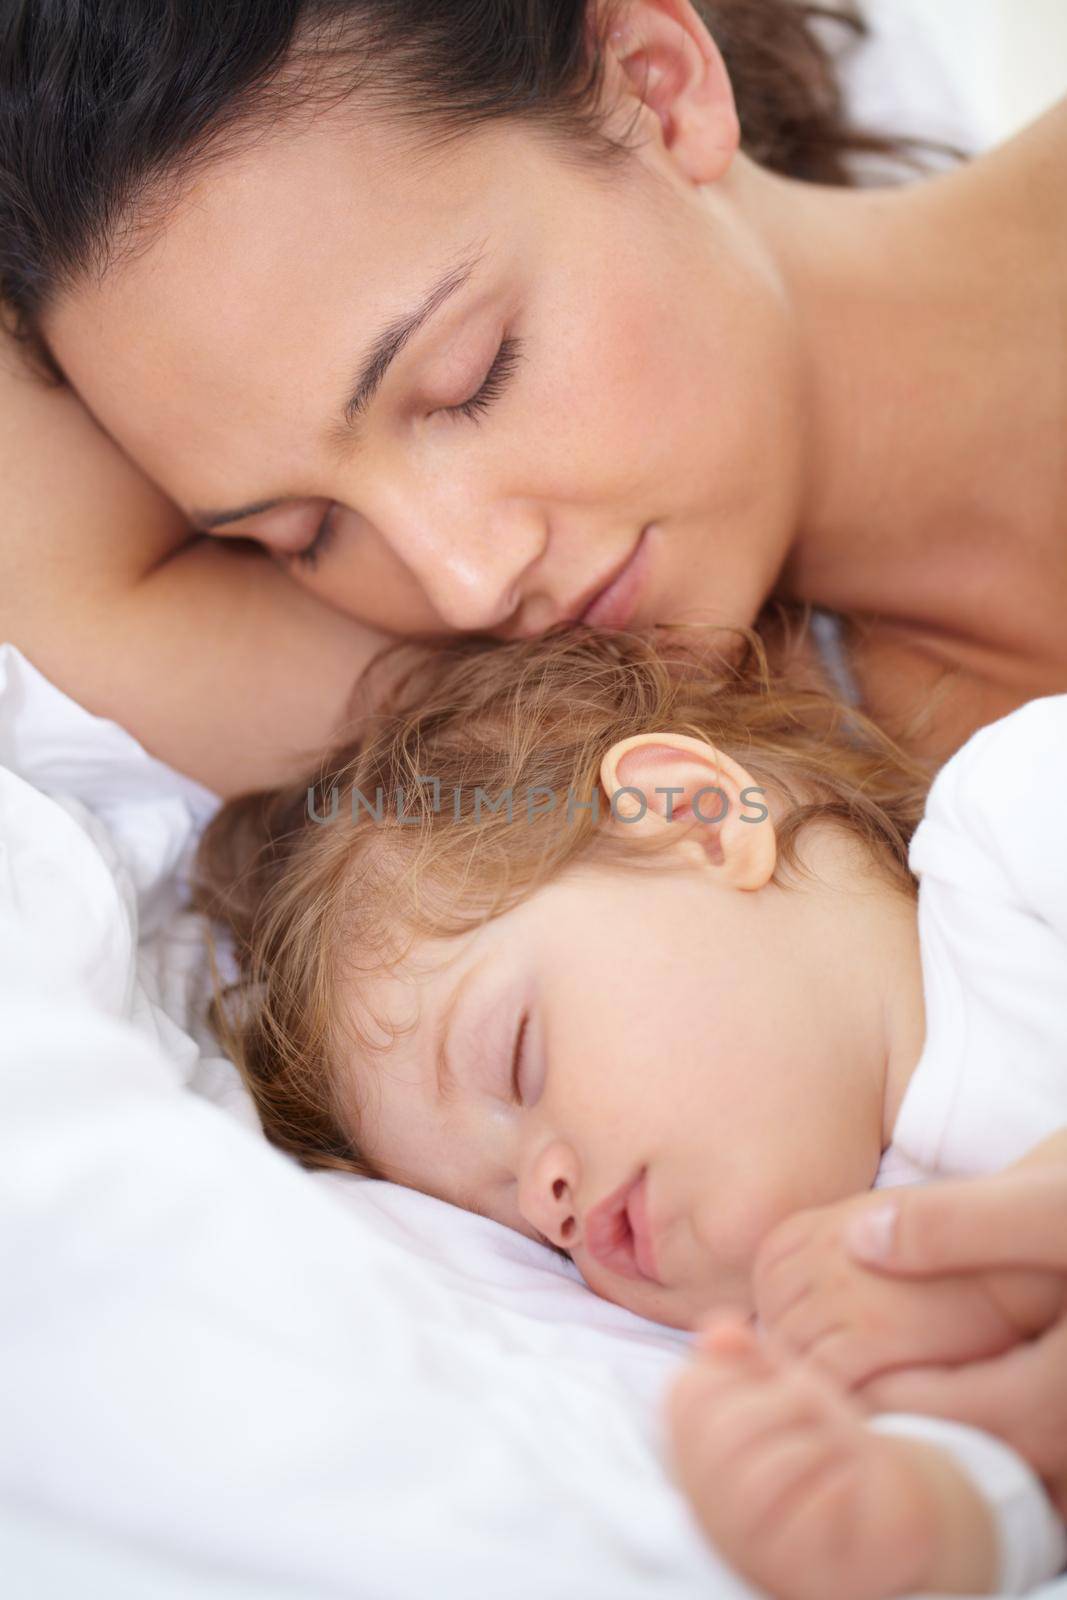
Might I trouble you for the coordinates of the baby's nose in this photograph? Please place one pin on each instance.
(563, 1225)
(547, 1194)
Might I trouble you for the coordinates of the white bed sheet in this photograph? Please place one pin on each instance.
(905, 82)
(213, 1357)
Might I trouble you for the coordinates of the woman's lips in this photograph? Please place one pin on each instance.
(617, 601)
(617, 1233)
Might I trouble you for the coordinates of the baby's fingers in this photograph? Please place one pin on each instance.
(727, 1334)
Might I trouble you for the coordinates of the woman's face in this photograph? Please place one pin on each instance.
(627, 338)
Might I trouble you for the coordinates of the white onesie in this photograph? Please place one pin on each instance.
(991, 858)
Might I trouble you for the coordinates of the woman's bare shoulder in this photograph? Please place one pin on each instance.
(1032, 168)
(931, 691)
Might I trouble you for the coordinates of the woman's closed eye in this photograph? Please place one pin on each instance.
(323, 536)
(495, 381)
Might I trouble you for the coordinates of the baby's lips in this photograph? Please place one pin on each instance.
(615, 1231)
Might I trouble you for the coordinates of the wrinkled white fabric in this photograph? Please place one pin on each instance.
(991, 858)
(1029, 1535)
(208, 1356)
(904, 82)
(991, 1083)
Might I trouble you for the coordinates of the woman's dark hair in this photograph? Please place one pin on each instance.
(105, 104)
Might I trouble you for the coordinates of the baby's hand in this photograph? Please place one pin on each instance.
(802, 1498)
(821, 1303)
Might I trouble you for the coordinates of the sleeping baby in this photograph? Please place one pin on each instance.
(614, 938)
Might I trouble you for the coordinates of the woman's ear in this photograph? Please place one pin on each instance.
(662, 780)
(660, 52)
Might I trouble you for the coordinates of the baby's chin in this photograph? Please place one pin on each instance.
(684, 1306)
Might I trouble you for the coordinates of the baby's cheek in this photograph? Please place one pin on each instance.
(689, 1290)
(736, 1237)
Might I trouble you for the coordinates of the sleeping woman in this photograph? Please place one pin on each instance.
(614, 940)
(392, 319)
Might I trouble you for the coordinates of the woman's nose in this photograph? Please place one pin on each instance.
(470, 564)
(548, 1194)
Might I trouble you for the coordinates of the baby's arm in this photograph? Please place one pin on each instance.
(810, 1500)
(207, 652)
(823, 1304)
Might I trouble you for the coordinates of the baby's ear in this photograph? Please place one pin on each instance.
(655, 781)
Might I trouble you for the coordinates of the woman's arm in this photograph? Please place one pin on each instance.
(204, 650)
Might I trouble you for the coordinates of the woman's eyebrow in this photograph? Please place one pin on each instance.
(343, 432)
(388, 345)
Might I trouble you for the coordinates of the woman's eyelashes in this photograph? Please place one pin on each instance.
(324, 533)
(493, 385)
(496, 379)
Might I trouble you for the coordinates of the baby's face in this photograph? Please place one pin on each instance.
(647, 1068)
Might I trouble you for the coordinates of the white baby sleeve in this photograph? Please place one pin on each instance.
(1030, 1536)
(991, 857)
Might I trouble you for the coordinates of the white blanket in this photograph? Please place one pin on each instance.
(217, 1358)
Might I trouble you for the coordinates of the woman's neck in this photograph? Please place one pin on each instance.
(933, 337)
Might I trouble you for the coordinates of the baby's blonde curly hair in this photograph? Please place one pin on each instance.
(330, 879)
